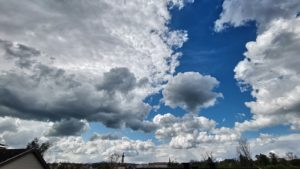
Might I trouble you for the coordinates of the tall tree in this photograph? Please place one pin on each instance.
(262, 160)
(290, 156)
(243, 151)
(40, 147)
(274, 158)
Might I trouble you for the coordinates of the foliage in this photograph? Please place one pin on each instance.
(244, 155)
(40, 147)
(262, 160)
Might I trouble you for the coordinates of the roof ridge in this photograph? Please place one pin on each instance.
(18, 155)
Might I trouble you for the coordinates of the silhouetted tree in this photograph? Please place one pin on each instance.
(114, 160)
(262, 160)
(210, 160)
(243, 151)
(274, 158)
(290, 156)
(40, 147)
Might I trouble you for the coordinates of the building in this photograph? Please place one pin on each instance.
(21, 159)
(157, 165)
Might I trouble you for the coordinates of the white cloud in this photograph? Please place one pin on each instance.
(271, 69)
(276, 144)
(238, 13)
(16, 133)
(76, 149)
(96, 36)
(190, 91)
(98, 149)
(191, 131)
(60, 58)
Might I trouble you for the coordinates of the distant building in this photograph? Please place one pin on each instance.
(157, 165)
(21, 159)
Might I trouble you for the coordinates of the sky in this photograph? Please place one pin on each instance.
(157, 79)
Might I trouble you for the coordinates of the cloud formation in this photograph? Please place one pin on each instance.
(100, 146)
(68, 127)
(77, 150)
(237, 13)
(93, 61)
(190, 91)
(97, 136)
(271, 62)
(16, 133)
(271, 69)
(190, 131)
(97, 36)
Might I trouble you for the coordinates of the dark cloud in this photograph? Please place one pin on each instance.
(104, 137)
(145, 126)
(118, 79)
(190, 91)
(20, 53)
(56, 64)
(68, 127)
(46, 92)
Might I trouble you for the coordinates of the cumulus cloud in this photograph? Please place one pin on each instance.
(16, 133)
(191, 131)
(85, 60)
(99, 148)
(271, 69)
(97, 36)
(7, 124)
(279, 145)
(118, 79)
(68, 127)
(44, 92)
(190, 91)
(97, 136)
(237, 13)
(77, 150)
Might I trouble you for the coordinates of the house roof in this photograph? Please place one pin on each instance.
(9, 155)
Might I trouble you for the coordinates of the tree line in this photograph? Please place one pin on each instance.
(243, 161)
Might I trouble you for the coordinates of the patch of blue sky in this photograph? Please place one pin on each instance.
(216, 54)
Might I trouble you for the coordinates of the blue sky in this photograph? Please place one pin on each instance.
(215, 54)
(153, 79)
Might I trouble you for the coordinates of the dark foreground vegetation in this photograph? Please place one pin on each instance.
(243, 161)
(262, 161)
